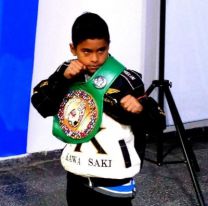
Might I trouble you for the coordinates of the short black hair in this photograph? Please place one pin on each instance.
(89, 26)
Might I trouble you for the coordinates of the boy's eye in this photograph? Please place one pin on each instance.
(89, 51)
(86, 51)
(101, 50)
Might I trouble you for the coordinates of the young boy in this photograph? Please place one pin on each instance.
(99, 171)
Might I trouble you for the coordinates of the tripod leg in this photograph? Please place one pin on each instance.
(187, 150)
(150, 89)
(180, 129)
(160, 148)
(159, 160)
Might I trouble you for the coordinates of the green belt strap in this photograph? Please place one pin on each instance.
(94, 88)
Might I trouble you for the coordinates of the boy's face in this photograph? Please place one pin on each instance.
(91, 52)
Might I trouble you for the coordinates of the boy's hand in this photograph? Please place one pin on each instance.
(75, 67)
(131, 104)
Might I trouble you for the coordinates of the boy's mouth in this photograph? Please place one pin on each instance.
(93, 67)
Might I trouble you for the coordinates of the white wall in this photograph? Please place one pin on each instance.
(150, 42)
(134, 28)
(187, 56)
(55, 19)
(186, 49)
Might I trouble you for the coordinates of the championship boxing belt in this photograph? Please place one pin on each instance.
(80, 113)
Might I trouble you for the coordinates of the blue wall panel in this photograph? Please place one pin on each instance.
(17, 40)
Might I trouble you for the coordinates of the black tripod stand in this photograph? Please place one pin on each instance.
(164, 90)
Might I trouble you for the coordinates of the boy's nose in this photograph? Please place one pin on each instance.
(94, 57)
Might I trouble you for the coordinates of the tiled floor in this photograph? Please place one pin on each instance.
(42, 183)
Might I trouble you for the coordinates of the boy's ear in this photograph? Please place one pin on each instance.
(73, 50)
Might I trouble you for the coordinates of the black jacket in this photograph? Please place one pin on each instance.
(49, 93)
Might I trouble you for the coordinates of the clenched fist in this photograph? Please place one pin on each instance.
(131, 104)
(75, 67)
